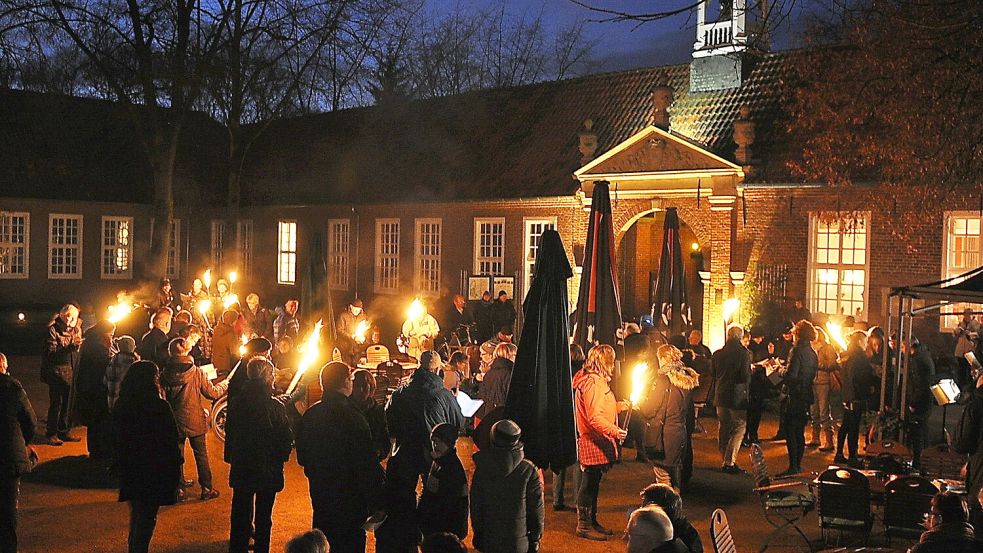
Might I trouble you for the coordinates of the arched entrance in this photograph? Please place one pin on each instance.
(639, 252)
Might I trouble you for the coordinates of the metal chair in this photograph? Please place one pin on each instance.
(941, 462)
(908, 500)
(843, 503)
(782, 508)
(723, 540)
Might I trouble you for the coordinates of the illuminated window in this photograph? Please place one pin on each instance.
(427, 256)
(838, 266)
(64, 246)
(244, 246)
(489, 246)
(174, 251)
(338, 241)
(286, 265)
(218, 245)
(15, 231)
(534, 229)
(117, 247)
(387, 255)
(963, 253)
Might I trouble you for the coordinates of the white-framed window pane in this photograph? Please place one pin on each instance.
(533, 232)
(15, 229)
(387, 255)
(286, 263)
(489, 246)
(64, 246)
(838, 271)
(218, 245)
(244, 246)
(963, 253)
(117, 247)
(339, 239)
(427, 255)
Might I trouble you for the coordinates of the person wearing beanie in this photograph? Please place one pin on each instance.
(663, 496)
(507, 512)
(444, 503)
(649, 530)
(116, 370)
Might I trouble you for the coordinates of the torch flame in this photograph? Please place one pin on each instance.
(310, 353)
(361, 329)
(730, 307)
(230, 300)
(639, 374)
(204, 306)
(118, 312)
(207, 278)
(242, 348)
(836, 333)
(232, 277)
(416, 310)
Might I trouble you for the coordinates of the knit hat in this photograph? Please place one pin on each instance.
(446, 433)
(258, 346)
(505, 434)
(648, 528)
(126, 344)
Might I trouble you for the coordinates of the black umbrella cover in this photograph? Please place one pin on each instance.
(540, 395)
(598, 303)
(671, 305)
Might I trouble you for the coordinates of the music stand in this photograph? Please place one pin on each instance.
(946, 392)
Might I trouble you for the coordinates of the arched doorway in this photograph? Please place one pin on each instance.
(638, 254)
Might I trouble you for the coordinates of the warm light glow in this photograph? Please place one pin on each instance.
(242, 348)
(639, 377)
(204, 306)
(21, 316)
(730, 307)
(416, 310)
(118, 312)
(835, 332)
(230, 300)
(232, 277)
(695, 246)
(309, 353)
(207, 278)
(361, 329)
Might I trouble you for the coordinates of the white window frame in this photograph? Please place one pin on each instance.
(78, 246)
(422, 258)
(951, 313)
(529, 259)
(172, 266)
(244, 246)
(339, 253)
(380, 284)
(217, 258)
(286, 259)
(813, 266)
(112, 251)
(8, 245)
(478, 258)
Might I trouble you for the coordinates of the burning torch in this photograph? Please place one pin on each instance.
(361, 329)
(230, 300)
(204, 306)
(639, 379)
(233, 276)
(310, 353)
(119, 312)
(835, 332)
(207, 279)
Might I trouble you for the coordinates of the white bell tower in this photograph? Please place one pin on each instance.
(727, 34)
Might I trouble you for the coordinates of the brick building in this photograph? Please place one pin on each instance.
(413, 198)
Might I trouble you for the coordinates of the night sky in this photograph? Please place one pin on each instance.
(627, 45)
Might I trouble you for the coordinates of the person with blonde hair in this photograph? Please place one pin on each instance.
(665, 407)
(598, 435)
(495, 387)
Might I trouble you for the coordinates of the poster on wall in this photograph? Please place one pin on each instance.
(478, 285)
(505, 283)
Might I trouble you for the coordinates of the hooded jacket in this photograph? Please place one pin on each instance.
(665, 409)
(412, 412)
(184, 387)
(444, 502)
(506, 501)
(597, 416)
(225, 344)
(949, 537)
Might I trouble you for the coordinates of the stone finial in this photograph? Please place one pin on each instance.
(662, 98)
(588, 143)
(744, 136)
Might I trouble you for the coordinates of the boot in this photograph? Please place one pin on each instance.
(597, 525)
(585, 527)
(814, 441)
(830, 446)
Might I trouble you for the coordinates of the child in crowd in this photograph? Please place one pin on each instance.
(118, 365)
(444, 503)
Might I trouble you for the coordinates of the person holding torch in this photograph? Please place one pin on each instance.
(598, 435)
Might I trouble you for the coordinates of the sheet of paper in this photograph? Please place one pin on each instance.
(211, 373)
(468, 406)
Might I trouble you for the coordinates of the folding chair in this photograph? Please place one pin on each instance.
(782, 508)
(376, 354)
(844, 503)
(723, 540)
(908, 500)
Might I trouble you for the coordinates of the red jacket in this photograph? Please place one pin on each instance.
(597, 420)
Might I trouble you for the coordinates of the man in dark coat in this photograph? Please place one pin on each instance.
(507, 512)
(731, 368)
(503, 311)
(90, 403)
(58, 361)
(363, 396)
(920, 399)
(258, 442)
(16, 457)
(968, 440)
(153, 344)
(456, 316)
(257, 319)
(484, 319)
(334, 445)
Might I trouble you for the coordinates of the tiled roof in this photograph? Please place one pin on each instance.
(502, 143)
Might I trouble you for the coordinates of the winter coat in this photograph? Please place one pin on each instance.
(444, 502)
(731, 368)
(502, 314)
(412, 412)
(153, 347)
(61, 352)
(506, 502)
(115, 373)
(225, 344)
(258, 439)
(483, 318)
(90, 390)
(375, 414)
(922, 370)
(185, 385)
(495, 387)
(857, 377)
(802, 366)
(950, 537)
(597, 420)
(16, 428)
(148, 450)
(826, 355)
(334, 445)
(968, 440)
(285, 324)
(348, 322)
(666, 408)
(259, 323)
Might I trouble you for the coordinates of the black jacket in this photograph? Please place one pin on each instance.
(502, 314)
(968, 440)
(506, 501)
(258, 439)
(444, 503)
(731, 371)
(922, 370)
(494, 389)
(951, 537)
(858, 383)
(185, 388)
(802, 366)
(148, 450)
(16, 427)
(375, 414)
(90, 390)
(61, 352)
(412, 412)
(153, 347)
